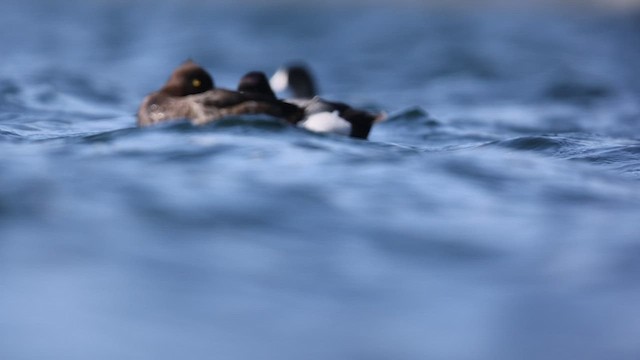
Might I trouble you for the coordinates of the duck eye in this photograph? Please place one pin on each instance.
(196, 83)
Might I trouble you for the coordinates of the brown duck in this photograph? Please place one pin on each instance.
(190, 94)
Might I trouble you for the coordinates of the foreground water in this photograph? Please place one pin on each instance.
(502, 224)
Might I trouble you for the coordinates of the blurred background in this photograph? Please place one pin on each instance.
(493, 216)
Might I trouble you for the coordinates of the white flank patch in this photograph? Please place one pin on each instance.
(327, 122)
(279, 81)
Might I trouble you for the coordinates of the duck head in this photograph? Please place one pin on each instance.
(256, 83)
(188, 79)
(296, 78)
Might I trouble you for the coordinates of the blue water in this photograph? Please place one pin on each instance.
(495, 215)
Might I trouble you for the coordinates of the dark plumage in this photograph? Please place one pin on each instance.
(256, 83)
(188, 79)
(296, 78)
(319, 115)
(190, 94)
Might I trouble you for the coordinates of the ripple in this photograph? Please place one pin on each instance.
(415, 115)
(8, 134)
(578, 92)
(504, 182)
(543, 144)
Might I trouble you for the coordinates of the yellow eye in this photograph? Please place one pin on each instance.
(196, 83)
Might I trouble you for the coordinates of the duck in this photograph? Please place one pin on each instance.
(297, 79)
(256, 84)
(190, 93)
(320, 115)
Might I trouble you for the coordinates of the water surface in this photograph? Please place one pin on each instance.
(495, 215)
